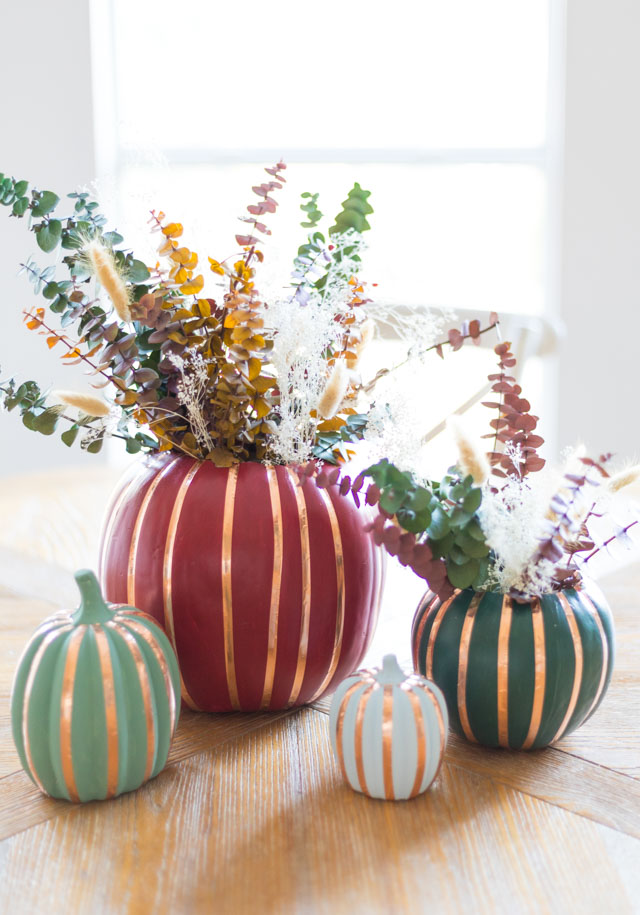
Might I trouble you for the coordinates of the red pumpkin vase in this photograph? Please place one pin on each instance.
(269, 590)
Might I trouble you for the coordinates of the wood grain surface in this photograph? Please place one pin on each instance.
(251, 812)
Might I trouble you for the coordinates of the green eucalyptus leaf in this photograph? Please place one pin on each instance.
(50, 291)
(459, 517)
(45, 203)
(133, 446)
(137, 272)
(462, 576)
(48, 235)
(474, 530)
(46, 422)
(70, 435)
(439, 526)
(20, 206)
(95, 446)
(473, 548)
(113, 238)
(471, 502)
(21, 188)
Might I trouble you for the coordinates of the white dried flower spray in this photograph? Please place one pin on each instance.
(191, 392)
(302, 335)
(514, 521)
(104, 268)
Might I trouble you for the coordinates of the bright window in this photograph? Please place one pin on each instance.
(438, 108)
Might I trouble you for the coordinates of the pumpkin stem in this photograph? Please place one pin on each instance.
(391, 671)
(93, 608)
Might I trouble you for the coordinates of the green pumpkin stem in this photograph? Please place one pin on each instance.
(93, 608)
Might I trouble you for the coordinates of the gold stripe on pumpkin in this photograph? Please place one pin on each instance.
(358, 737)
(591, 607)
(577, 674)
(428, 607)
(276, 581)
(227, 596)
(112, 515)
(66, 710)
(49, 638)
(387, 741)
(340, 726)
(463, 663)
(503, 670)
(168, 572)
(340, 594)
(135, 537)
(421, 738)
(440, 614)
(145, 688)
(442, 728)
(111, 713)
(540, 667)
(305, 603)
(158, 654)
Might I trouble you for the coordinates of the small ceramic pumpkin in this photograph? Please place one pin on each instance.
(95, 699)
(516, 675)
(389, 731)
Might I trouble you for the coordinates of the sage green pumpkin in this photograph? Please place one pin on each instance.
(95, 699)
(518, 675)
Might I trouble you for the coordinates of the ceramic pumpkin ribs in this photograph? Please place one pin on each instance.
(269, 590)
(95, 699)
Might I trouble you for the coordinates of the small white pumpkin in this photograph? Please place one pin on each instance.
(389, 731)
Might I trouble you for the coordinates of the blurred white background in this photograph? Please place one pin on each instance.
(498, 139)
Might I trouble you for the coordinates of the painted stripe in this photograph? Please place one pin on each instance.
(110, 709)
(463, 664)
(110, 518)
(276, 582)
(421, 738)
(66, 710)
(443, 731)
(135, 537)
(145, 687)
(503, 671)
(433, 635)
(167, 575)
(358, 737)
(340, 727)
(340, 594)
(577, 675)
(227, 597)
(540, 676)
(28, 690)
(158, 654)
(427, 608)
(591, 607)
(387, 742)
(305, 603)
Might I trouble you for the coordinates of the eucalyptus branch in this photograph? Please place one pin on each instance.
(383, 373)
(610, 540)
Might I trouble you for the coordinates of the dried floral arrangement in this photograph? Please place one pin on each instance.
(228, 378)
(242, 375)
(499, 520)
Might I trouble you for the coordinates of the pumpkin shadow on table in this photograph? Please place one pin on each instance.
(285, 829)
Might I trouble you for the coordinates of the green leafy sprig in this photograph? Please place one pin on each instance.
(433, 528)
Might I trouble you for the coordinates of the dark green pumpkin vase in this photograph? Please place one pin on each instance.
(516, 675)
(95, 699)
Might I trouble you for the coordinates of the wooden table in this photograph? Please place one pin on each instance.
(251, 814)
